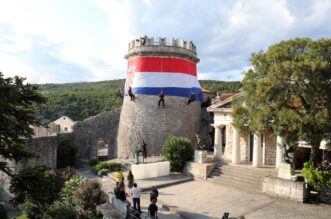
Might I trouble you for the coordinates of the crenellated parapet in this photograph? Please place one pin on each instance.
(145, 46)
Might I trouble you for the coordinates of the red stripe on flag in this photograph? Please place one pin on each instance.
(157, 64)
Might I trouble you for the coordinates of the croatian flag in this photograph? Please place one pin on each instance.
(174, 76)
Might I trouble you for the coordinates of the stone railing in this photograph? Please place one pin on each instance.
(284, 188)
(146, 41)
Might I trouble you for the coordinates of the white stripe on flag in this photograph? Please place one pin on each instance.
(158, 79)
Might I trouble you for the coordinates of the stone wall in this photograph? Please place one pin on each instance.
(45, 148)
(283, 188)
(87, 133)
(143, 120)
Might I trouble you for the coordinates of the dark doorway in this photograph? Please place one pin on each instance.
(251, 146)
(223, 138)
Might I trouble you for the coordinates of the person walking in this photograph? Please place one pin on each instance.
(136, 193)
(152, 210)
(130, 179)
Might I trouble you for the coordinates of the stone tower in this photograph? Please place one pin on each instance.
(154, 66)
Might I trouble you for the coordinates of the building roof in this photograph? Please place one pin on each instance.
(224, 96)
(205, 91)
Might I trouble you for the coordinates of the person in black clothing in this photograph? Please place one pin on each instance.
(192, 98)
(152, 209)
(132, 96)
(121, 194)
(144, 149)
(161, 95)
(119, 92)
(154, 193)
(117, 192)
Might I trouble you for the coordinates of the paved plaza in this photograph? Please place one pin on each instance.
(206, 200)
(203, 200)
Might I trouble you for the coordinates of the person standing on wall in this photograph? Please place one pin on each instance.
(144, 148)
(136, 192)
(132, 96)
(192, 98)
(161, 95)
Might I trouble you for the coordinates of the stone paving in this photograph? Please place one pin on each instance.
(202, 200)
(206, 200)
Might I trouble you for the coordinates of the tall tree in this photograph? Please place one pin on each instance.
(288, 91)
(17, 112)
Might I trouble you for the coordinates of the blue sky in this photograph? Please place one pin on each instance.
(59, 41)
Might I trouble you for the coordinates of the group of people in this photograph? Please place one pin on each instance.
(161, 96)
(135, 192)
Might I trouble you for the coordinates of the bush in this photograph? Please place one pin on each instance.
(61, 210)
(38, 185)
(71, 185)
(86, 198)
(317, 179)
(177, 150)
(32, 210)
(103, 172)
(3, 212)
(107, 165)
(93, 162)
(66, 154)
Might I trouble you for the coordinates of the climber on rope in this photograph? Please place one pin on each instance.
(161, 95)
(192, 98)
(119, 93)
(132, 96)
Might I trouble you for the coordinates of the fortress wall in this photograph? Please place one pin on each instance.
(87, 133)
(143, 120)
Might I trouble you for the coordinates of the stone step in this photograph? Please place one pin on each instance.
(241, 177)
(247, 171)
(232, 184)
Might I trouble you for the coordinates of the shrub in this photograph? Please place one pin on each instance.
(32, 210)
(103, 172)
(86, 198)
(61, 210)
(3, 212)
(71, 185)
(177, 150)
(107, 165)
(318, 179)
(39, 185)
(93, 162)
(66, 154)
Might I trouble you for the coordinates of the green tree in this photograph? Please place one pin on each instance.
(18, 102)
(288, 91)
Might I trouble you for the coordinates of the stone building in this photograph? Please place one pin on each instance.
(241, 146)
(65, 124)
(155, 66)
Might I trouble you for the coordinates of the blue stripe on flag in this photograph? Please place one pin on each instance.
(169, 91)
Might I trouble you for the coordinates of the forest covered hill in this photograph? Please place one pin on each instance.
(82, 100)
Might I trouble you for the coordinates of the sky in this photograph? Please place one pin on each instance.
(63, 41)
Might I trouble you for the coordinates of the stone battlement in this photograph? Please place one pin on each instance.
(161, 47)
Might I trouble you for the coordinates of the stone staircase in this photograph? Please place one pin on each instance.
(244, 177)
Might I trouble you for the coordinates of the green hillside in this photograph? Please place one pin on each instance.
(82, 100)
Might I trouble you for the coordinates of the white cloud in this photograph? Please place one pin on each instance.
(86, 40)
